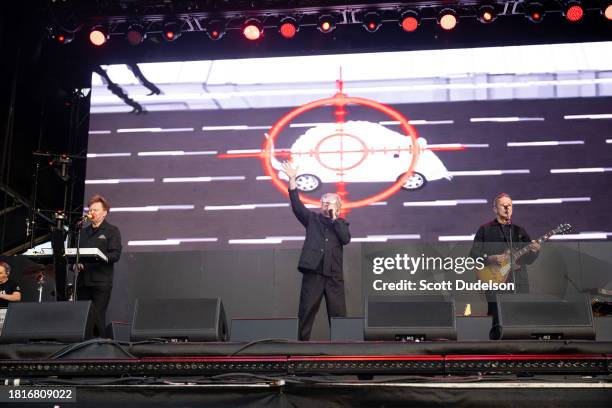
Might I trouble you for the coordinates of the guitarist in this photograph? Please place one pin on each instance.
(492, 242)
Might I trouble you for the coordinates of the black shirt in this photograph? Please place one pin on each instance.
(8, 288)
(493, 238)
(322, 250)
(107, 239)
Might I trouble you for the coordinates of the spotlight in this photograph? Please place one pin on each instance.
(172, 31)
(63, 37)
(573, 11)
(288, 27)
(371, 22)
(215, 29)
(252, 30)
(98, 36)
(534, 12)
(326, 24)
(136, 34)
(486, 14)
(447, 19)
(607, 11)
(410, 21)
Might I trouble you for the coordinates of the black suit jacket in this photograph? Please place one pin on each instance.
(322, 249)
(107, 239)
(493, 238)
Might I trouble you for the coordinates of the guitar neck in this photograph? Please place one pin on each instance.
(524, 249)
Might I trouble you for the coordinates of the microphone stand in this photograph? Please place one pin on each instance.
(511, 247)
(77, 260)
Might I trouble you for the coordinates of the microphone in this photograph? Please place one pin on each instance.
(86, 217)
(331, 213)
(506, 207)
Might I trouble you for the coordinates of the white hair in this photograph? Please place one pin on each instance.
(336, 196)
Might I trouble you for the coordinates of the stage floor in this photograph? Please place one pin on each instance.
(102, 373)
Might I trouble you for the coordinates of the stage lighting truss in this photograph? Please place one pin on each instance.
(251, 24)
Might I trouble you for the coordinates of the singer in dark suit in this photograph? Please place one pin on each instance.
(492, 242)
(95, 280)
(321, 258)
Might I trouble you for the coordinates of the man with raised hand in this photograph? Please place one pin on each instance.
(321, 259)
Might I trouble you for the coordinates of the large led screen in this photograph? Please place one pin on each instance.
(417, 144)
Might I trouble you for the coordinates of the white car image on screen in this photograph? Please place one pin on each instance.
(365, 153)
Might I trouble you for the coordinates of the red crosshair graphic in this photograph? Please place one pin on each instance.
(340, 100)
(348, 148)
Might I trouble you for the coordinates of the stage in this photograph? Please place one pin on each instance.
(271, 372)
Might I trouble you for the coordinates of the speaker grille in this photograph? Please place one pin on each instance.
(542, 313)
(410, 314)
(173, 314)
(527, 315)
(50, 321)
(184, 319)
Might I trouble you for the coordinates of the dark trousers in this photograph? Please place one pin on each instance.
(314, 287)
(495, 332)
(99, 296)
(521, 285)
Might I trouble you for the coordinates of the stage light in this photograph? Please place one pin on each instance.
(288, 27)
(326, 24)
(98, 36)
(172, 31)
(135, 34)
(534, 12)
(252, 30)
(371, 22)
(573, 11)
(486, 14)
(215, 29)
(63, 37)
(447, 19)
(607, 11)
(410, 21)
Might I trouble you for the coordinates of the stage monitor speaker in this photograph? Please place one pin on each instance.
(179, 319)
(346, 329)
(259, 329)
(546, 317)
(66, 322)
(414, 318)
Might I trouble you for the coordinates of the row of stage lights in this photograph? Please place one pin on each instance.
(410, 20)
